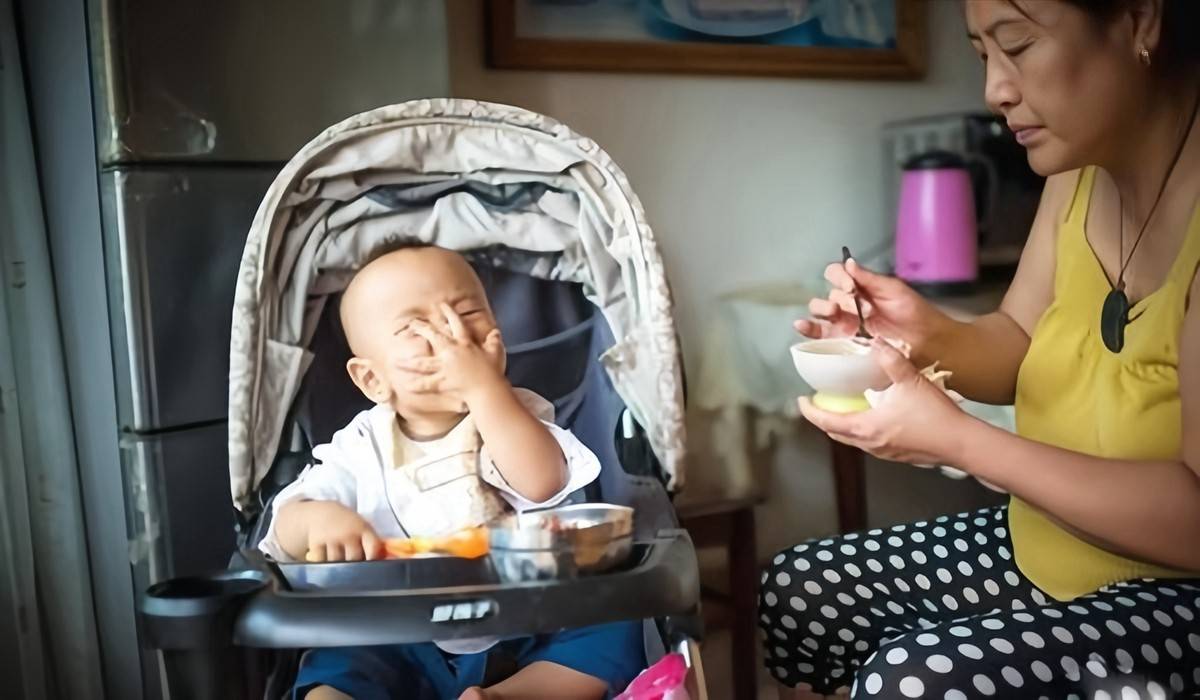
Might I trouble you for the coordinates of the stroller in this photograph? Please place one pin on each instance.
(579, 291)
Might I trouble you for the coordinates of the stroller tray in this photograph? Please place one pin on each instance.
(427, 572)
(399, 602)
(387, 574)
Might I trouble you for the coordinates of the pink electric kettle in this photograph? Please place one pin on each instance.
(936, 238)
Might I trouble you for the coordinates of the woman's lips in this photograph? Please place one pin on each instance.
(1026, 135)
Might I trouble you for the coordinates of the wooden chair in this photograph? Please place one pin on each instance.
(729, 525)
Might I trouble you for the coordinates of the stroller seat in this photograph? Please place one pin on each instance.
(582, 312)
(553, 335)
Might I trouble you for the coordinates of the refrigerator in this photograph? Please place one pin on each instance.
(190, 107)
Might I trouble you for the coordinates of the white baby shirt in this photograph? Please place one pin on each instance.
(411, 488)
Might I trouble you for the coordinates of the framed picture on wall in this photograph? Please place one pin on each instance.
(869, 39)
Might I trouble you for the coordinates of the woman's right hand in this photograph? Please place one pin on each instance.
(890, 308)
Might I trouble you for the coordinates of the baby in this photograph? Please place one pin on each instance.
(450, 444)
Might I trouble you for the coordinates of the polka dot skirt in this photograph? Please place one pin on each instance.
(939, 610)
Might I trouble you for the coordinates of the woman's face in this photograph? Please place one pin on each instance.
(1068, 86)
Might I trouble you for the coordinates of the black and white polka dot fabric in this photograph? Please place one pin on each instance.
(939, 610)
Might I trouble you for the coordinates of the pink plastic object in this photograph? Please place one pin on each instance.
(936, 239)
(662, 681)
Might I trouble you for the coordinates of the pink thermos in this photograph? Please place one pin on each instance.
(936, 239)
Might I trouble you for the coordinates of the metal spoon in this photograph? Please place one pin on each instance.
(862, 335)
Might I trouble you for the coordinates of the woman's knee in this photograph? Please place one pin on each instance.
(791, 589)
(805, 580)
(779, 584)
(913, 666)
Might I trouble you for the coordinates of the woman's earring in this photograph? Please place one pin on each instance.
(1144, 54)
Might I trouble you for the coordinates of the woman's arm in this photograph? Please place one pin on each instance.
(1149, 510)
(1143, 509)
(986, 354)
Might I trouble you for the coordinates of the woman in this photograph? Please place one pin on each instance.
(1086, 583)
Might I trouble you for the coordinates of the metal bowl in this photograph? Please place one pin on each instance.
(561, 542)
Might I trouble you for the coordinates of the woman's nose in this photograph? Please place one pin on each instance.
(1000, 89)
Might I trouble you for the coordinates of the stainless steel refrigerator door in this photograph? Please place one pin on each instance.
(178, 504)
(231, 80)
(174, 240)
(179, 516)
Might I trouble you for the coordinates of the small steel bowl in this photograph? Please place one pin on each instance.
(589, 538)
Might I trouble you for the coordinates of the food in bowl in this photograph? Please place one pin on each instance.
(562, 542)
(840, 370)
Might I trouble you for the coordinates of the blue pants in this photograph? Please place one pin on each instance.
(613, 653)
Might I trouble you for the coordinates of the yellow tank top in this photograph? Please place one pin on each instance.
(1072, 392)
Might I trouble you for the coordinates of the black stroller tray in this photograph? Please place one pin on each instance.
(386, 575)
(295, 606)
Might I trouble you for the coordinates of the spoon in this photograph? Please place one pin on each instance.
(862, 336)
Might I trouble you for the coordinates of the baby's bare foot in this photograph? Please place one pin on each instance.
(474, 694)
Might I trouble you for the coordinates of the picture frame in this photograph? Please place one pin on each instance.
(518, 38)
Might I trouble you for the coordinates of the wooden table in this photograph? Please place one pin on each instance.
(849, 486)
(730, 526)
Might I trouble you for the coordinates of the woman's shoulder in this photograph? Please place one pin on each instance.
(1060, 191)
(1032, 289)
(1058, 198)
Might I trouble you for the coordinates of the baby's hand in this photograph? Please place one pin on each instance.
(460, 367)
(336, 533)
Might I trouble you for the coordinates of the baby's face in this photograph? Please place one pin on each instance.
(397, 291)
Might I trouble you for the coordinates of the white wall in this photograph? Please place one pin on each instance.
(745, 181)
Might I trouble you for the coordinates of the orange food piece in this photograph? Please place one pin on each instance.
(471, 543)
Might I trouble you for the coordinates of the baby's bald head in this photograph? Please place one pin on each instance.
(363, 286)
(405, 290)
(402, 280)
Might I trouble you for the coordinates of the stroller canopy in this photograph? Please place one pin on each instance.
(465, 175)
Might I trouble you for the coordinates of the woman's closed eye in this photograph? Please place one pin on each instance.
(1013, 40)
(1016, 50)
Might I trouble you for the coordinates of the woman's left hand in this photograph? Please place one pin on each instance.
(916, 422)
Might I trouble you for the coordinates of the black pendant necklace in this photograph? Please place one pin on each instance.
(1114, 315)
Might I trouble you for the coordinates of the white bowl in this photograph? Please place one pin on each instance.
(838, 367)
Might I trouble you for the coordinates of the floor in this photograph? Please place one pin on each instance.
(717, 672)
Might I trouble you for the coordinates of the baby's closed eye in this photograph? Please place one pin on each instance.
(408, 325)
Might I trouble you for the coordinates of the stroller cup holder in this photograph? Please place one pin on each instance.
(197, 611)
(205, 625)
(191, 620)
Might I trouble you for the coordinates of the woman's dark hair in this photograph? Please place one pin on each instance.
(1178, 51)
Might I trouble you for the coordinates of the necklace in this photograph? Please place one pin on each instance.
(1114, 315)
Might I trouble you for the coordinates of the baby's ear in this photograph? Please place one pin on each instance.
(370, 382)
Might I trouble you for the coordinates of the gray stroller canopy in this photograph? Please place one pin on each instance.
(464, 175)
